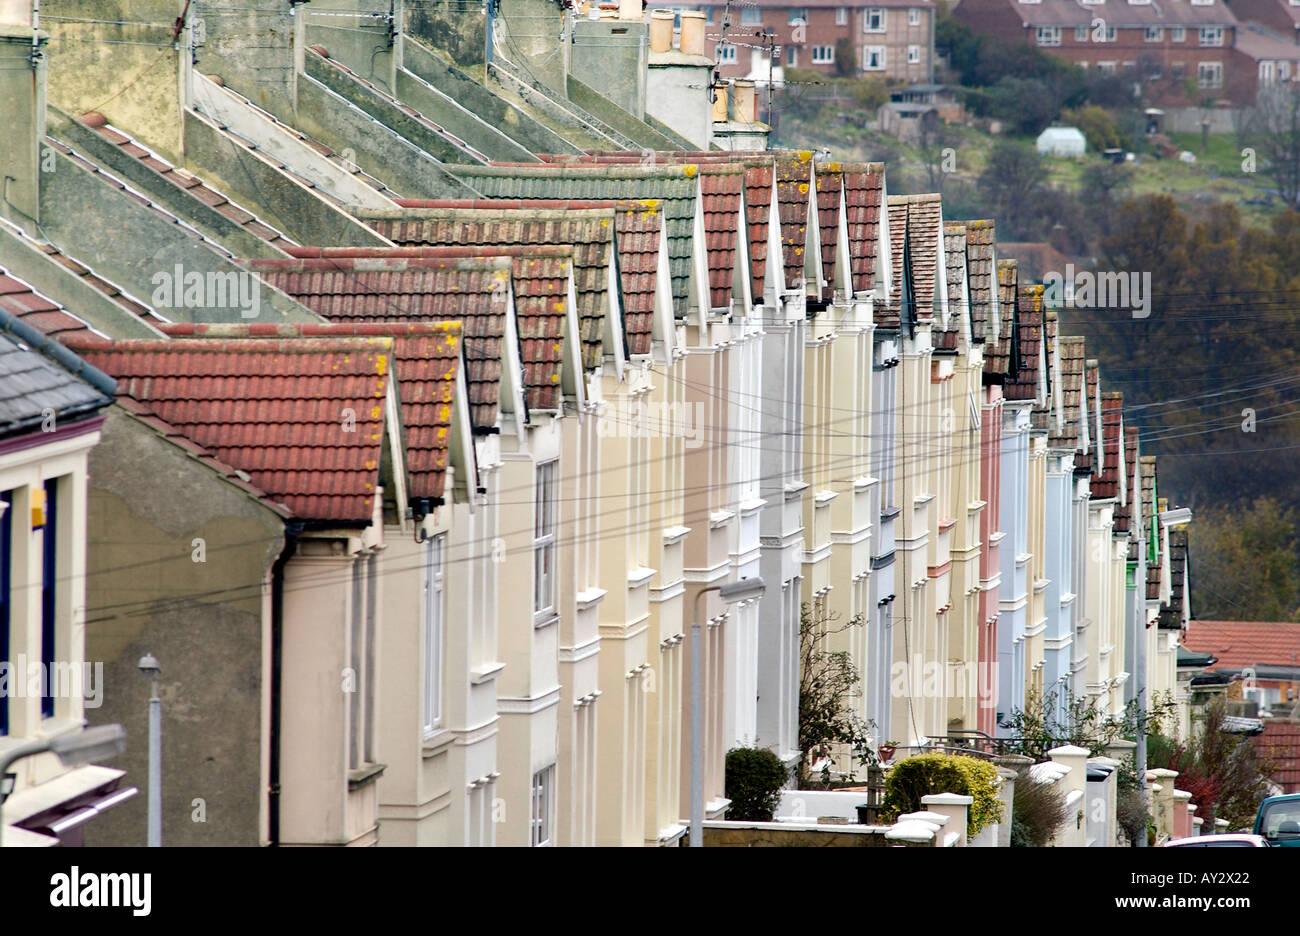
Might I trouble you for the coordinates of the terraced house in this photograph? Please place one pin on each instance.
(435, 400)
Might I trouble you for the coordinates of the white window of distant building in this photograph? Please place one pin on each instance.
(913, 17)
(1138, 2)
(842, 15)
(433, 590)
(1081, 34)
(726, 52)
(873, 21)
(1283, 71)
(543, 806)
(544, 540)
(1202, 2)
(1031, 1)
(1266, 72)
(1177, 71)
(1154, 34)
(1109, 35)
(792, 56)
(1177, 33)
(823, 55)
(1209, 74)
(913, 54)
(1211, 35)
(1083, 65)
(1107, 67)
(873, 58)
(751, 16)
(1049, 35)
(797, 15)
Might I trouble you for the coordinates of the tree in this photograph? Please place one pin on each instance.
(1272, 129)
(846, 57)
(828, 690)
(935, 141)
(1098, 126)
(1012, 180)
(1101, 185)
(1244, 563)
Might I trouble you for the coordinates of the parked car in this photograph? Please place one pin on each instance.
(1278, 820)
(1242, 840)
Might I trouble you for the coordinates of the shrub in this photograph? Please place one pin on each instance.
(1038, 809)
(920, 776)
(755, 777)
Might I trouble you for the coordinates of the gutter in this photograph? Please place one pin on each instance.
(59, 354)
(291, 533)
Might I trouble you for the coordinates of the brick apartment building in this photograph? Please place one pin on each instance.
(1160, 43)
(893, 39)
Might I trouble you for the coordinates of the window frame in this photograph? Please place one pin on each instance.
(544, 539)
(792, 20)
(541, 823)
(866, 52)
(1216, 69)
(827, 59)
(6, 603)
(434, 624)
(913, 16)
(842, 15)
(867, 16)
(751, 16)
(913, 55)
(1048, 36)
(49, 591)
(1210, 37)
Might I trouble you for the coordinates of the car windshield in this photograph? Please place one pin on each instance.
(1281, 820)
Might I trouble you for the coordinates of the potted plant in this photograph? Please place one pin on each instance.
(886, 750)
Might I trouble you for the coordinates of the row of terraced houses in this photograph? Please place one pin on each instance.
(404, 418)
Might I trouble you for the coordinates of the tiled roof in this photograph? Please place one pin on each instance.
(303, 418)
(890, 315)
(184, 180)
(1001, 358)
(32, 386)
(758, 205)
(1106, 483)
(793, 188)
(48, 317)
(954, 248)
(1150, 485)
(406, 289)
(1092, 380)
(589, 231)
(1123, 516)
(1239, 644)
(1023, 385)
(1279, 746)
(864, 190)
(721, 188)
(675, 185)
(1072, 357)
(1044, 414)
(427, 357)
(924, 235)
(982, 271)
(830, 193)
(145, 415)
(1171, 614)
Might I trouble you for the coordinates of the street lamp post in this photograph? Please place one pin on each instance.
(72, 750)
(732, 592)
(151, 669)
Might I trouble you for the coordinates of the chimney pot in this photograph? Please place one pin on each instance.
(661, 30)
(692, 40)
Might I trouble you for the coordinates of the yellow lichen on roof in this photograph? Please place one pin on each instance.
(690, 171)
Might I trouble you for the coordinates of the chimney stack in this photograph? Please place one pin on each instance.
(22, 110)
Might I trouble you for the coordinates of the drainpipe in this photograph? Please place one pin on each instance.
(489, 6)
(291, 534)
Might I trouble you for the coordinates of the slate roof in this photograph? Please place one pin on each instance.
(1171, 614)
(589, 231)
(1239, 644)
(32, 384)
(1023, 384)
(1106, 483)
(864, 191)
(830, 193)
(278, 410)
(427, 357)
(793, 196)
(675, 185)
(954, 248)
(982, 272)
(412, 289)
(184, 180)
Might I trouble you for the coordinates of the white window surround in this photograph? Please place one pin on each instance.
(1211, 36)
(1049, 35)
(823, 54)
(797, 15)
(726, 52)
(914, 17)
(1154, 34)
(1177, 33)
(842, 15)
(913, 54)
(434, 573)
(751, 16)
(544, 577)
(1209, 74)
(873, 58)
(874, 20)
(543, 807)
(1081, 34)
